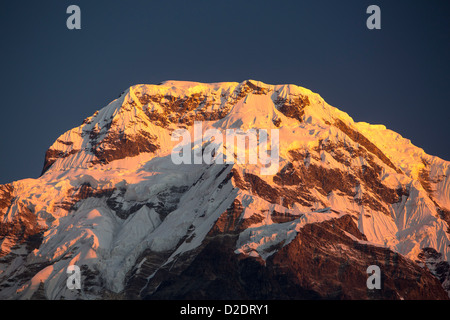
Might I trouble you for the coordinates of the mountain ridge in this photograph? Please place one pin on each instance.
(110, 199)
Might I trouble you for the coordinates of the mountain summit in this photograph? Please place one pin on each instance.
(345, 196)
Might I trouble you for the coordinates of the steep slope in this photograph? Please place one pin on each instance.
(342, 196)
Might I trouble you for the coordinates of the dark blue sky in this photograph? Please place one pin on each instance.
(52, 78)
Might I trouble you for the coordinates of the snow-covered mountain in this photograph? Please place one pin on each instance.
(110, 200)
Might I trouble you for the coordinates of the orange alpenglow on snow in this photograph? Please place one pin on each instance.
(112, 201)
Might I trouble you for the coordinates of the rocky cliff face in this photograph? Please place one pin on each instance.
(110, 199)
(325, 260)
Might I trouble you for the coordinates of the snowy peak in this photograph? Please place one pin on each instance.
(112, 200)
(142, 119)
(135, 122)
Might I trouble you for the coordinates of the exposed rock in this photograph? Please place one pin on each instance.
(119, 146)
(307, 268)
(52, 155)
(6, 197)
(293, 107)
(362, 140)
(432, 260)
(23, 229)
